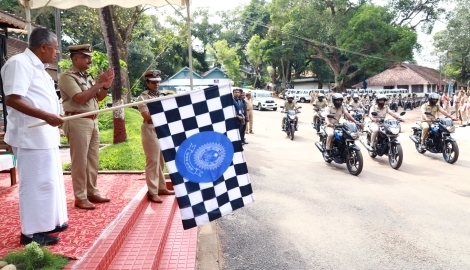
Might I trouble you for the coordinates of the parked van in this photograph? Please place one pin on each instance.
(303, 96)
(262, 99)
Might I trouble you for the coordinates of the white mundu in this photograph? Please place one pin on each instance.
(41, 184)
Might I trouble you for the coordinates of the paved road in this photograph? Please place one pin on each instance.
(312, 215)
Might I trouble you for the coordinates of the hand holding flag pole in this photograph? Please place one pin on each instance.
(113, 108)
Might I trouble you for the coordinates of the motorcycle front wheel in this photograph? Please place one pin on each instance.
(292, 131)
(395, 156)
(451, 152)
(354, 162)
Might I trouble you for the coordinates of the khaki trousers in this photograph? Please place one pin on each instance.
(84, 140)
(424, 134)
(458, 113)
(464, 115)
(249, 126)
(329, 139)
(154, 161)
(374, 129)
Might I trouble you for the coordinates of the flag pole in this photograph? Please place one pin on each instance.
(128, 105)
(190, 46)
(28, 17)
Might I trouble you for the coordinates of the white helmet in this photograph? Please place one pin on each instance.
(355, 96)
(290, 96)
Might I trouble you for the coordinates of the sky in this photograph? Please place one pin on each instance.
(425, 57)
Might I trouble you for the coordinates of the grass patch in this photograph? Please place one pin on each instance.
(128, 155)
(32, 256)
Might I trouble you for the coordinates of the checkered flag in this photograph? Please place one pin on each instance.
(200, 140)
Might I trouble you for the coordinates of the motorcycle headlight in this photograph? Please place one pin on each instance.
(394, 130)
(354, 135)
(292, 117)
(451, 129)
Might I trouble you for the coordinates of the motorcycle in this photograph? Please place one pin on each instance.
(358, 115)
(439, 139)
(344, 149)
(320, 120)
(393, 105)
(289, 123)
(407, 105)
(386, 142)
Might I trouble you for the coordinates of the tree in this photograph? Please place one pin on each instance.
(227, 56)
(254, 55)
(105, 14)
(327, 26)
(454, 42)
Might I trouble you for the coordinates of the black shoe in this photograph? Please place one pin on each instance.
(40, 238)
(59, 228)
(245, 142)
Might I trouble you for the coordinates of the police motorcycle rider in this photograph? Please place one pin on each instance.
(432, 107)
(355, 103)
(382, 110)
(290, 105)
(338, 110)
(318, 104)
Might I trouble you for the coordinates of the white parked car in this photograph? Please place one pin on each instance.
(263, 100)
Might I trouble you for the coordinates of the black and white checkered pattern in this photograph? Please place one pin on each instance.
(179, 118)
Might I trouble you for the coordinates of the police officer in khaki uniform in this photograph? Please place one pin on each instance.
(382, 110)
(433, 108)
(81, 93)
(289, 105)
(355, 103)
(153, 155)
(249, 110)
(320, 103)
(338, 110)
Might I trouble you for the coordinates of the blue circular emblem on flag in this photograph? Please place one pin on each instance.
(204, 157)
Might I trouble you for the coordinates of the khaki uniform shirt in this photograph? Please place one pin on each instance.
(381, 113)
(289, 106)
(337, 112)
(457, 99)
(434, 110)
(355, 105)
(145, 96)
(319, 104)
(73, 82)
(249, 104)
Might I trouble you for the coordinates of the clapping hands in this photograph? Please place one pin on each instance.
(106, 77)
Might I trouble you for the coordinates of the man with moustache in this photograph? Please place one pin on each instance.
(30, 97)
(81, 93)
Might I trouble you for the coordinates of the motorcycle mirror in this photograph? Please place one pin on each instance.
(331, 116)
(282, 107)
(300, 107)
(374, 113)
(402, 113)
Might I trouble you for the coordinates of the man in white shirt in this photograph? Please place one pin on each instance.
(30, 98)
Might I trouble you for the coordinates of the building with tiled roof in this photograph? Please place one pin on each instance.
(418, 79)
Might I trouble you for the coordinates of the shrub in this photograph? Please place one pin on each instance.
(32, 256)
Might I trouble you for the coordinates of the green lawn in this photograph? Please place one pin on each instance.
(128, 155)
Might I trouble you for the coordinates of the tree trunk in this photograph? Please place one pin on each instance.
(273, 77)
(109, 34)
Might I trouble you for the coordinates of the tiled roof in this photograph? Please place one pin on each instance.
(13, 21)
(16, 46)
(406, 74)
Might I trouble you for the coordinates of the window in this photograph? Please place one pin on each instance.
(389, 87)
(417, 88)
(403, 87)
